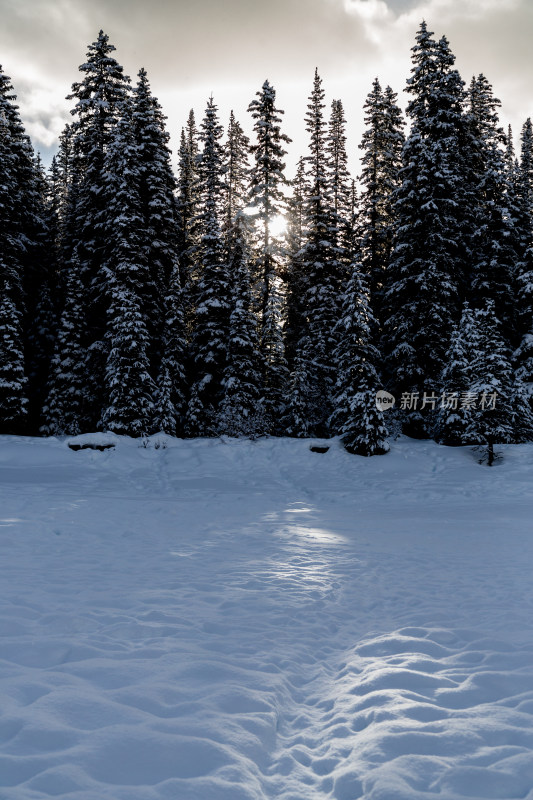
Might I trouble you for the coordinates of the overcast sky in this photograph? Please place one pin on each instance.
(229, 47)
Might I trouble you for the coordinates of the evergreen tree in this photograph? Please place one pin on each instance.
(65, 410)
(128, 406)
(24, 250)
(268, 201)
(427, 269)
(11, 248)
(211, 325)
(356, 416)
(523, 356)
(65, 183)
(296, 421)
(293, 274)
(100, 97)
(13, 400)
(455, 410)
(240, 413)
(236, 172)
(171, 383)
(382, 144)
(353, 242)
(340, 189)
(158, 209)
(526, 165)
(188, 217)
(41, 291)
(495, 239)
(319, 271)
(21, 223)
(490, 422)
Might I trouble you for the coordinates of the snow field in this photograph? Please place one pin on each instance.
(233, 620)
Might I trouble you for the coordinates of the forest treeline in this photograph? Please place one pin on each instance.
(136, 299)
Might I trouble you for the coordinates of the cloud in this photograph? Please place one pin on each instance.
(228, 47)
(190, 49)
(489, 36)
(182, 41)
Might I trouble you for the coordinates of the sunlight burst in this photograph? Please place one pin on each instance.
(278, 225)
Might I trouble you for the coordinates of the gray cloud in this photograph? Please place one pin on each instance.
(185, 42)
(229, 47)
(190, 49)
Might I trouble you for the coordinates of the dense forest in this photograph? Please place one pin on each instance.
(136, 299)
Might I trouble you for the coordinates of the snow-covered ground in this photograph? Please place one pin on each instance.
(233, 620)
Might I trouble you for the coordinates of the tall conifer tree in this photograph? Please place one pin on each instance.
(268, 200)
(212, 308)
(319, 273)
(23, 246)
(382, 144)
(128, 406)
(356, 416)
(188, 217)
(495, 238)
(431, 243)
(65, 410)
(99, 100)
(240, 413)
(158, 208)
(170, 397)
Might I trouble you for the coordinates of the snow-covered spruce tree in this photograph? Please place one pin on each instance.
(296, 421)
(41, 294)
(495, 239)
(293, 271)
(65, 410)
(382, 144)
(129, 389)
(454, 410)
(236, 167)
(130, 407)
(523, 173)
(13, 401)
(490, 422)
(512, 167)
(240, 412)
(267, 257)
(319, 272)
(23, 231)
(344, 230)
(21, 223)
(99, 99)
(427, 266)
(188, 220)
(158, 207)
(211, 324)
(171, 382)
(13, 383)
(11, 237)
(353, 240)
(477, 378)
(340, 189)
(521, 419)
(64, 187)
(356, 416)
(526, 164)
